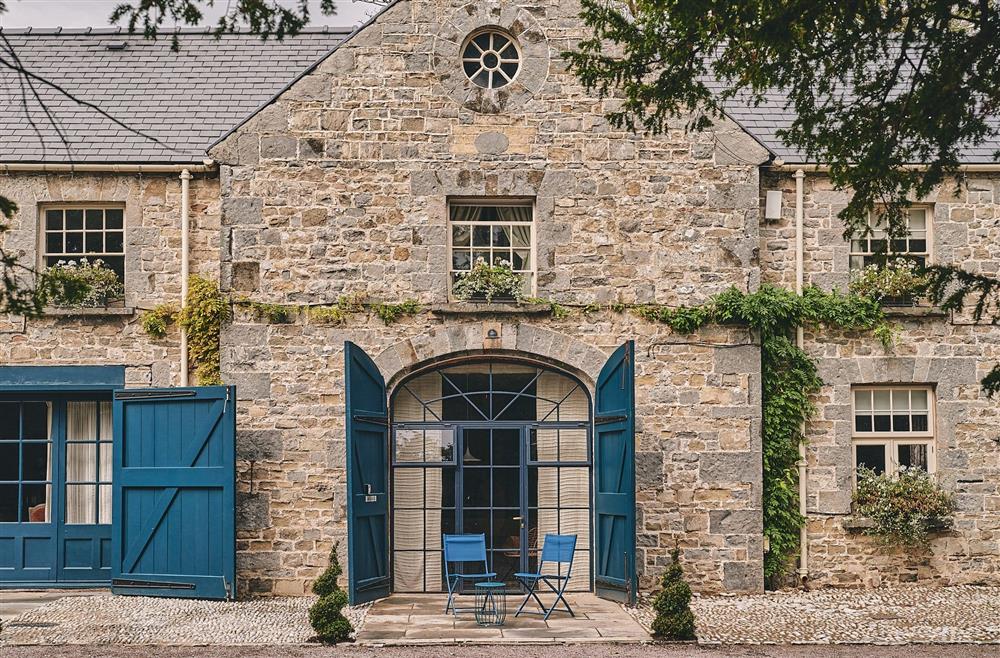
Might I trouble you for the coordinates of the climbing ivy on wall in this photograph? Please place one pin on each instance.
(788, 379)
(203, 317)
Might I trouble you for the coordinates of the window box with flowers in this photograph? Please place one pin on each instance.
(489, 283)
(901, 509)
(83, 285)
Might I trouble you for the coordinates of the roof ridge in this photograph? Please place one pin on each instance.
(122, 31)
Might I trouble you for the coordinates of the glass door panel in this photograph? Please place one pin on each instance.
(491, 494)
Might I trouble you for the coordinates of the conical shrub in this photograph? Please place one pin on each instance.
(326, 616)
(674, 619)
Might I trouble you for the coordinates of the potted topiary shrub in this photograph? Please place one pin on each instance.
(82, 284)
(672, 604)
(326, 615)
(485, 282)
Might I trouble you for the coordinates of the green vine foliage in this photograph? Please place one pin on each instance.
(390, 313)
(789, 378)
(203, 317)
(158, 319)
(272, 313)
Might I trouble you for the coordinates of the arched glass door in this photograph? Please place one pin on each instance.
(491, 447)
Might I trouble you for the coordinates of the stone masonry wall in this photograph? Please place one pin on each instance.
(342, 184)
(152, 270)
(947, 352)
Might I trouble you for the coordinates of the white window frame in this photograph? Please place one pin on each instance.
(891, 440)
(517, 59)
(44, 254)
(879, 234)
(531, 274)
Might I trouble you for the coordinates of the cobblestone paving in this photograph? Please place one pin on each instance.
(889, 615)
(107, 619)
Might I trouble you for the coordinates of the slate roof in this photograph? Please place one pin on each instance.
(185, 99)
(764, 122)
(191, 99)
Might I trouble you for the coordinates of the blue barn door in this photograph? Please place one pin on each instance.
(614, 477)
(367, 477)
(174, 488)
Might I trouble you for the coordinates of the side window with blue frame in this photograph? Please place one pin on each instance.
(26, 462)
(56, 463)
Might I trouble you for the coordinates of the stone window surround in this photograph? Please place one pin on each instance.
(892, 439)
(434, 189)
(42, 229)
(496, 201)
(504, 16)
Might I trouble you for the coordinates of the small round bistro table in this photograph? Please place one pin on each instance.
(491, 603)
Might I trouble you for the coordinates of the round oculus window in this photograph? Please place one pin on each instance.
(491, 59)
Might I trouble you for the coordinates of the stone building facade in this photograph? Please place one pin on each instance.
(946, 352)
(342, 185)
(151, 204)
(346, 184)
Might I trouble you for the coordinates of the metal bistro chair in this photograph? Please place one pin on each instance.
(464, 548)
(558, 549)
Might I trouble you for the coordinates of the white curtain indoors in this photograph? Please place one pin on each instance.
(88, 463)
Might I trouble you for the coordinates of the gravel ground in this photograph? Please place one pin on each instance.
(888, 615)
(107, 619)
(534, 651)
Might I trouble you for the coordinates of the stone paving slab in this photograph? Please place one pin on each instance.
(885, 616)
(402, 620)
(138, 620)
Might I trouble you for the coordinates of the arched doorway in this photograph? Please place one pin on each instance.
(494, 446)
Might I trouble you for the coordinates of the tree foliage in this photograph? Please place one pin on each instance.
(268, 18)
(875, 87)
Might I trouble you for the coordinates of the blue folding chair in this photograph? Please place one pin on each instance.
(463, 548)
(558, 549)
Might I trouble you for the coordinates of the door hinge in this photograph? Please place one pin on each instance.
(149, 584)
(604, 420)
(225, 404)
(152, 394)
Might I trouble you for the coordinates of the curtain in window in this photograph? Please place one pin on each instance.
(521, 236)
(418, 492)
(466, 213)
(48, 463)
(514, 213)
(106, 460)
(81, 461)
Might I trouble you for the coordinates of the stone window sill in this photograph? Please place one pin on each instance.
(100, 311)
(862, 523)
(857, 523)
(914, 312)
(492, 308)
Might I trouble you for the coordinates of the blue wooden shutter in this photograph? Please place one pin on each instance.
(614, 477)
(174, 488)
(367, 477)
